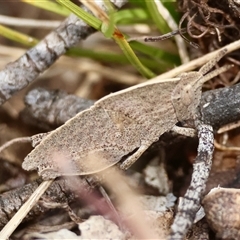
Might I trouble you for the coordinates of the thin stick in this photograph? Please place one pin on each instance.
(24, 210)
(110, 204)
(190, 203)
(156, 38)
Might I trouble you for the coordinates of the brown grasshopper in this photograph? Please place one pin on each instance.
(123, 123)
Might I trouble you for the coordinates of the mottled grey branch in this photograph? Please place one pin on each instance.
(217, 108)
(59, 192)
(220, 106)
(49, 109)
(17, 75)
(36, 60)
(190, 203)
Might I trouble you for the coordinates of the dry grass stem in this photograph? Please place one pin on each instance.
(198, 62)
(24, 210)
(28, 23)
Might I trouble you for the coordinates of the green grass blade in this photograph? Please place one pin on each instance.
(109, 57)
(17, 36)
(123, 44)
(156, 53)
(157, 18)
(117, 36)
(85, 16)
(131, 16)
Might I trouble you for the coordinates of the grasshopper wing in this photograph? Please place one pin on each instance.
(93, 140)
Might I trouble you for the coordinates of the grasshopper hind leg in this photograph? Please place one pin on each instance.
(134, 157)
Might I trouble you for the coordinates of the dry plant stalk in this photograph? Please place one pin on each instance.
(24, 210)
(190, 203)
(198, 62)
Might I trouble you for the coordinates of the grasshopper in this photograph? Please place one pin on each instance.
(121, 124)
